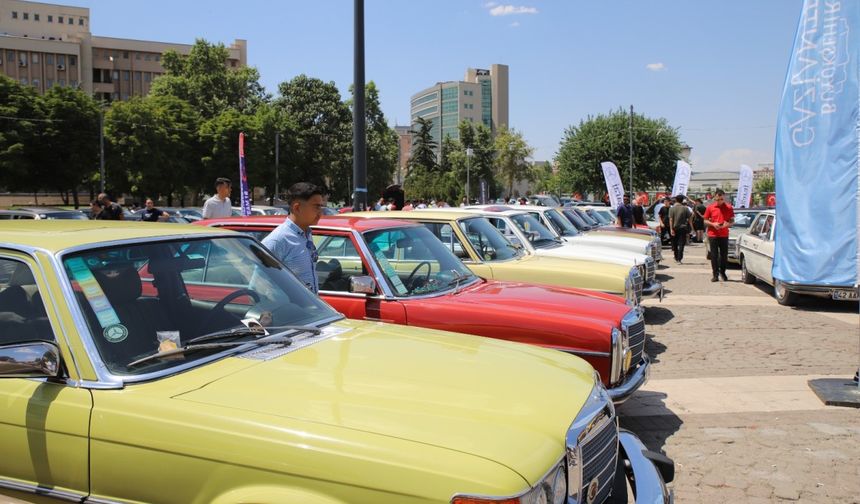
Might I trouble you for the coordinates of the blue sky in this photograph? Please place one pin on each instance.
(714, 69)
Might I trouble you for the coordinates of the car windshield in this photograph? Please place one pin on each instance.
(575, 219)
(71, 215)
(144, 298)
(560, 223)
(592, 217)
(414, 261)
(538, 234)
(743, 219)
(489, 243)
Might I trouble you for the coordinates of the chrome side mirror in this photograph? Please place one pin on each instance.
(35, 359)
(362, 285)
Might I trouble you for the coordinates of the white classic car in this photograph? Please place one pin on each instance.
(524, 228)
(755, 253)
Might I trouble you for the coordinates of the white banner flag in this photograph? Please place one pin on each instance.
(742, 200)
(613, 184)
(682, 179)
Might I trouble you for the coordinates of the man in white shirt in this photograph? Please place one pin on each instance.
(219, 205)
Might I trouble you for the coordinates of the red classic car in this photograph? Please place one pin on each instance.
(399, 272)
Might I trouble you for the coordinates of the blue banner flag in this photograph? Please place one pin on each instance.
(816, 155)
(243, 178)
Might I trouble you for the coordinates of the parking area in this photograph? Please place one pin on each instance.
(728, 398)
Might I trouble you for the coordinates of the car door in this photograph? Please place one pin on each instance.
(768, 235)
(751, 247)
(44, 424)
(340, 260)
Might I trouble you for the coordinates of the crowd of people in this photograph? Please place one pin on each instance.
(682, 220)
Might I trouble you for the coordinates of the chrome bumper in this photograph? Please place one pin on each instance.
(655, 288)
(647, 479)
(631, 384)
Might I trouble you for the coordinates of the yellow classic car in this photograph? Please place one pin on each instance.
(132, 369)
(486, 251)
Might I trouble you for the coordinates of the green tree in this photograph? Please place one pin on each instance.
(765, 185)
(482, 163)
(381, 143)
(219, 137)
(512, 152)
(320, 149)
(69, 151)
(202, 79)
(21, 128)
(656, 149)
(422, 167)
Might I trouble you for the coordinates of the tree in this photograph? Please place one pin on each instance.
(765, 185)
(482, 164)
(321, 146)
(219, 137)
(381, 142)
(656, 149)
(512, 151)
(70, 142)
(422, 166)
(21, 127)
(202, 79)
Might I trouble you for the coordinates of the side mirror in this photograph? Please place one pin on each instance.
(35, 359)
(362, 285)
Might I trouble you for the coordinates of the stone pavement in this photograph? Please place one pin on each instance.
(728, 399)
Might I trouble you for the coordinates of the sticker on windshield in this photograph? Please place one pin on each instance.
(105, 313)
(390, 273)
(115, 333)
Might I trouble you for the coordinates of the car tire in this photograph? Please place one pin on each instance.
(746, 276)
(783, 296)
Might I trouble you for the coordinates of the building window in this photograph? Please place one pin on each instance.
(60, 19)
(26, 15)
(22, 58)
(61, 59)
(24, 81)
(35, 58)
(50, 18)
(137, 56)
(125, 75)
(137, 76)
(36, 82)
(148, 57)
(73, 60)
(116, 55)
(73, 83)
(71, 21)
(81, 21)
(115, 96)
(14, 15)
(49, 83)
(10, 56)
(157, 57)
(49, 59)
(147, 77)
(106, 55)
(115, 75)
(125, 55)
(35, 17)
(61, 82)
(233, 63)
(97, 75)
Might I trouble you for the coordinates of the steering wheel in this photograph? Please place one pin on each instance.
(235, 294)
(409, 279)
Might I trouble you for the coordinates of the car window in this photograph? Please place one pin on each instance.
(757, 226)
(22, 312)
(538, 234)
(143, 298)
(446, 234)
(560, 223)
(339, 261)
(488, 242)
(743, 219)
(766, 227)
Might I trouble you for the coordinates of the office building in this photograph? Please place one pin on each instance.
(481, 98)
(45, 45)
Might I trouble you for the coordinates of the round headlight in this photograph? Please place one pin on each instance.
(559, 487)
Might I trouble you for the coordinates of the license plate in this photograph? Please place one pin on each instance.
(842, 295)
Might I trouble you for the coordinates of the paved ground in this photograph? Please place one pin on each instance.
(728, 398)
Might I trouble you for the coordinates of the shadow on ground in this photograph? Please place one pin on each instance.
(658, 315)
(647, 415)
(654, 348)
(663, 277)
(815, 304)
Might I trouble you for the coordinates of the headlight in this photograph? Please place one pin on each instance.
(551, 489)
(620, 351)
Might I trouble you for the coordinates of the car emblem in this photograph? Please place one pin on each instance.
(593, 488)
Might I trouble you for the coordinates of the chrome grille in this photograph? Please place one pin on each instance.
(653, 252)
(650, 270)
(636, 339)
(636, 278)
(600, 456)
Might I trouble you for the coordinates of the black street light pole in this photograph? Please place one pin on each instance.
(359, 145)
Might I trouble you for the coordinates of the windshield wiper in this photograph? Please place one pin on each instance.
(208, 346)
(235, 332)
(456, 281)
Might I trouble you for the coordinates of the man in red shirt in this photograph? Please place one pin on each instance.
(719, 217)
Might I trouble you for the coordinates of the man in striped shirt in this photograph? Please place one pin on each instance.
(292, 242)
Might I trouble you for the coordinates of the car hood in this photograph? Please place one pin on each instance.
(501, 401)
(610, 240)
(584, 247)
(565, 272)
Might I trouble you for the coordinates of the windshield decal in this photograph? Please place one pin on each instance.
(96, 297)
(390, 273)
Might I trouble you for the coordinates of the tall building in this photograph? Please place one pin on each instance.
(45, 45)
(404, 149)
(482, 97)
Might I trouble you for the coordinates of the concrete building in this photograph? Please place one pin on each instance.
(45, 45)
(704, 182)
(482, 97)
(404, 148)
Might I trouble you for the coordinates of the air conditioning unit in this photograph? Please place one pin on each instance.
(61, 67)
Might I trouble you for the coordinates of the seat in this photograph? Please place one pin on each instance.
(330, 276)
(141, 317)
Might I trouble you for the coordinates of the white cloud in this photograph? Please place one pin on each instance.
(490, 4)
(655, 67)
(515, 24)
(507, 10)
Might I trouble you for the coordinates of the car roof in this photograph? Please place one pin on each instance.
(488, 212)
(56, 235)
(423, 214)
(360, 223)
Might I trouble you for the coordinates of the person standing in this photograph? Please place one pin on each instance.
(680, 222)
(110, 210)
(663, 217)
(624, 214)
(219, 205)
(699, 219)
(292, 242)
(152, 214)
(638, 213)
(718, 218)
